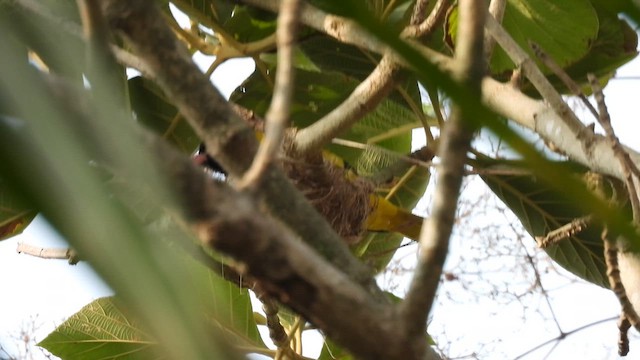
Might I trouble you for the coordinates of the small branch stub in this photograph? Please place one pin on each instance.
(45, 253)
(564, 232)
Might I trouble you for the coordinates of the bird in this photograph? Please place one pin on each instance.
(381, 216)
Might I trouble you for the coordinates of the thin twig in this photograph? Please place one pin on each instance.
(538, 284)
(539, 81)
(628, 167)
(623, 337)
(548, 61)
(45, 253)
(496, 9)
(405, 158)
(419, 12)
(434, 240)
(613, 274)
(277, 334)
(427, 26)
(564, 232)
(277, 117)
(563, 336)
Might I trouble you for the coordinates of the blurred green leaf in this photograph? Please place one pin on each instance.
(205, 11)
(319, 93)
(155, 111)
(58, 143)
(41, 31)
(330, 55)
(15, 215)
(250, 24)
(225, 304)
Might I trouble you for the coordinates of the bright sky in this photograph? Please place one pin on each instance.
(51, 290)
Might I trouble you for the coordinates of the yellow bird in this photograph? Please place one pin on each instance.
(382, 215)
(385, 216)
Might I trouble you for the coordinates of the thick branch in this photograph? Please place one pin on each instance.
(284, 267)
(226, 136)
(456, 139)
(540, 118)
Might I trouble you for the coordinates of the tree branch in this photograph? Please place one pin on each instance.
(285, 268)
(540, 118)
(227, 137)
(424, 27)
(496, 9)
(44, 253)
(434, 240)
(629, 169)
(349, 32)
(361, 101)
(277, 117)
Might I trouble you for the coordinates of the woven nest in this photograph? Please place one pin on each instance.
(343, 201)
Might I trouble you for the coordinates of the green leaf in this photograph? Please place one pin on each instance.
(206, 11)
(104, 329)
(332, 351)
(227, 305)
(545, 22)
(541, 209)
(377, 249)
(330, 55)
(155, 111)
(615, 45)
(44, 36)
(15, 215)
(100, 330)
(250, 24)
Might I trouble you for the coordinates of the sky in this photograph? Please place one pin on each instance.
(45, 292)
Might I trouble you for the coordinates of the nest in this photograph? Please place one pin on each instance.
(344, 201)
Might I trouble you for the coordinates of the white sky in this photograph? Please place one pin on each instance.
(51, 290)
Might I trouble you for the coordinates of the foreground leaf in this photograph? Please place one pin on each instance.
(100, 330)
(15, 216)
(104, 329)
(155, 111)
